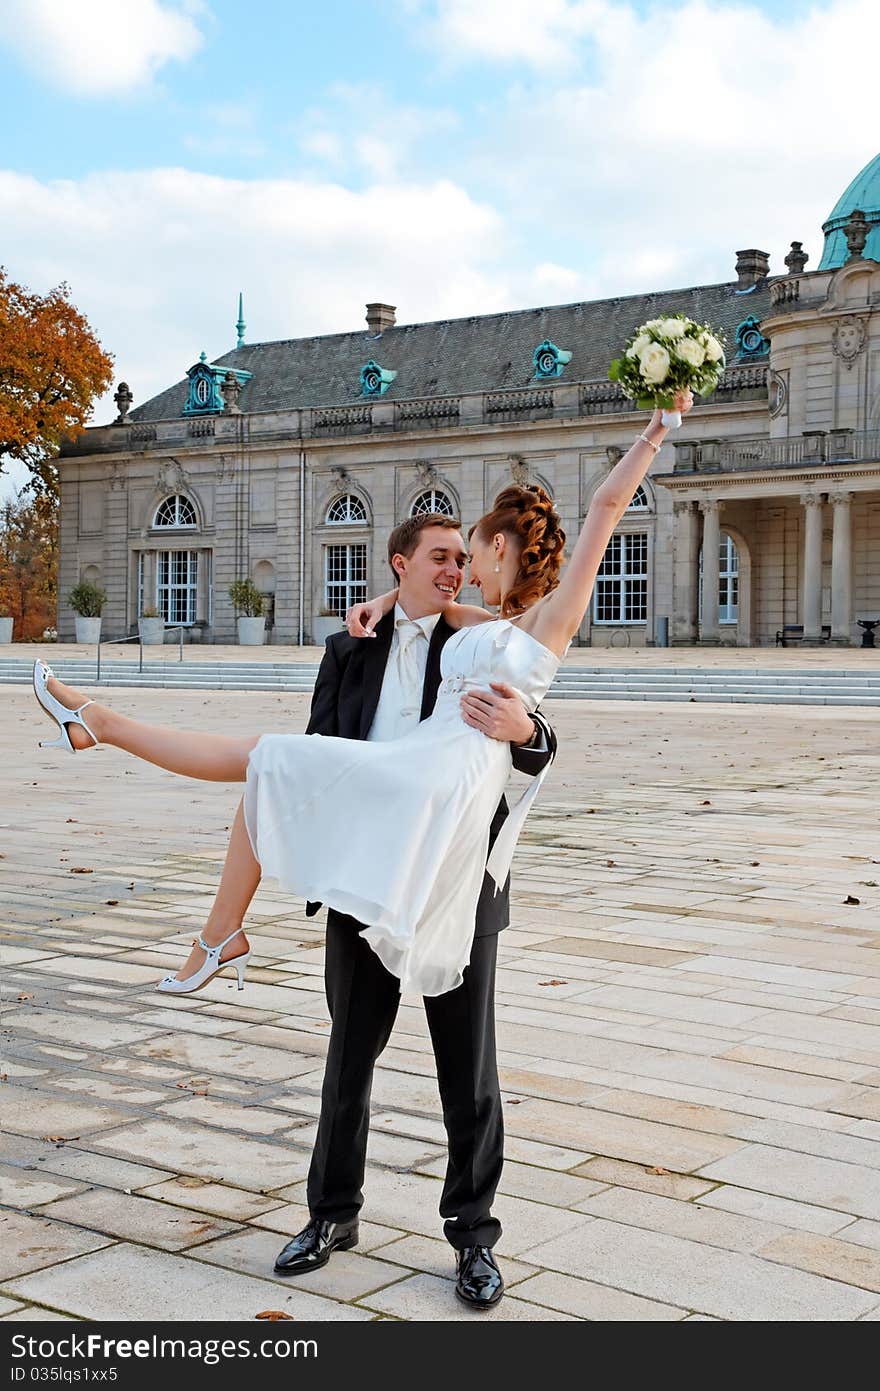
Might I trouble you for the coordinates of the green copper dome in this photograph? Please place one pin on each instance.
(864, 193)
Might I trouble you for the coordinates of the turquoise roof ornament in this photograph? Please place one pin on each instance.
(549, 361)
(205, 395)
(375, 380)
(241, 325)
(864, 193)
(750, 341)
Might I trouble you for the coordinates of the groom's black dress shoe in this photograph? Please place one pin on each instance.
(312, 1247)
(479, 1280)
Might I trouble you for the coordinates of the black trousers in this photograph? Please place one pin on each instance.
(363, 998)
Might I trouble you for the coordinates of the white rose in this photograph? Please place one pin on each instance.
(690, 351)
(671, 328)
(654, 364)
(639, 345)
(653, 324)
(714, 350)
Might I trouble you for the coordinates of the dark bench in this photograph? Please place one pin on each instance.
(794, 632)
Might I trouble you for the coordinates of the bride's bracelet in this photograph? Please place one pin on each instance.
(655, 447)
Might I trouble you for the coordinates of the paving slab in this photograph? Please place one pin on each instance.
(29, 1243)
(134, 1284)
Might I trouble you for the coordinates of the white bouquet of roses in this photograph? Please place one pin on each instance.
(665, 356)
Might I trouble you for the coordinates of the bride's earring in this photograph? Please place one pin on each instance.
(497, 569)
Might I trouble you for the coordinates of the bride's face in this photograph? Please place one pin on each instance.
(483, 559)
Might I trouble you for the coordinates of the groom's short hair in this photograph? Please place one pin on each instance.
(405, 538)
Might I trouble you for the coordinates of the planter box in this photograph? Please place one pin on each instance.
(88, 630)
(323, 628)
(5, 630)
(251, 631)
(151, 631)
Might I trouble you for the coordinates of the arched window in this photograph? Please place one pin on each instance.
(433, 500)
(175, 511)
(345, 510)
(640, 501)
(728, 581)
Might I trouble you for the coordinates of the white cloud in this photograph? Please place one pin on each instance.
(98, 47)
(513, 31)
(692, 130)
(156, 259)
(359, 130)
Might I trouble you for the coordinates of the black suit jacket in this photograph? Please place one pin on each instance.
(344, 703)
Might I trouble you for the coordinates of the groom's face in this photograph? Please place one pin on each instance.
(433, 574)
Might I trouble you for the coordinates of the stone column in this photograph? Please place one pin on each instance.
(841, 569)
(812, 573)
(685, 551)
(710, 632)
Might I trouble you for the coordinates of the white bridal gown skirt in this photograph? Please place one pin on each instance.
(394, 834)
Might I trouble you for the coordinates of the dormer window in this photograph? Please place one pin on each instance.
(175, 511)
(375, 380)
(549, 361)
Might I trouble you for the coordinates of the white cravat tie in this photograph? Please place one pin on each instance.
(409, 634)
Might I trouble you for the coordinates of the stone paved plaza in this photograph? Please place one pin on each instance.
(688, 1017)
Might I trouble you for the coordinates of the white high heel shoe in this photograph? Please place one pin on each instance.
(210, 967)
(58, 712)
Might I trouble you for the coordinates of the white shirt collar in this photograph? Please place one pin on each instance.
(427, 624)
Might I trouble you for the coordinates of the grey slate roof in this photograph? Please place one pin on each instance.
(487, 352)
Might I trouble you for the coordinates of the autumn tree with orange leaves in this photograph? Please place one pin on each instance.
(29, 563)
(52, 369)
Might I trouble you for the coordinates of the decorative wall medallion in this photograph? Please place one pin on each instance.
(426, 474)
(848, 339)
(339, 478)
(613, 454)
(519, 470)
(777, 393)
(172, 477)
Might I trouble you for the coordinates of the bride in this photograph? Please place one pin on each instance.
(418, 809)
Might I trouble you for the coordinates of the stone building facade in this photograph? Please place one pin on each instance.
(289, 462)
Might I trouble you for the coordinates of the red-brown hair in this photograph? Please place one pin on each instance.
(528, 516)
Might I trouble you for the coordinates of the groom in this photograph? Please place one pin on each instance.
(380, 689)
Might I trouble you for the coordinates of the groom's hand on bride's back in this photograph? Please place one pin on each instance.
(498, 713)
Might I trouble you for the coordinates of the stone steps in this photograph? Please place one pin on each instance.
(726, 685)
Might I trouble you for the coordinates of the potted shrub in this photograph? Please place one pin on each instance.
(87, 601)
(151, 627)
(325, 622)
(251, 607)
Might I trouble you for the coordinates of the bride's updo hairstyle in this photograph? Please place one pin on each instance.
(528, 517)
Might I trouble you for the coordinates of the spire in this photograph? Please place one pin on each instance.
(241, 325)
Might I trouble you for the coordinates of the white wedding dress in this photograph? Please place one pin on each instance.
(396, 833)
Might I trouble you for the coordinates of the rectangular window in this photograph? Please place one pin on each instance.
(176, 584)
(621, 593)
(345, 576)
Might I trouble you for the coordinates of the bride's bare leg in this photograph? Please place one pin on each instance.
(238, 884)
(211, 757)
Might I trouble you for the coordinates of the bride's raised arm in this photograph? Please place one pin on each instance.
(361, 619)
(558, 616)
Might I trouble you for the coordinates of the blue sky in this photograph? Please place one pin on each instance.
(449, 156)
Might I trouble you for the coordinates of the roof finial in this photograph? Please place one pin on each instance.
(241, 325)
